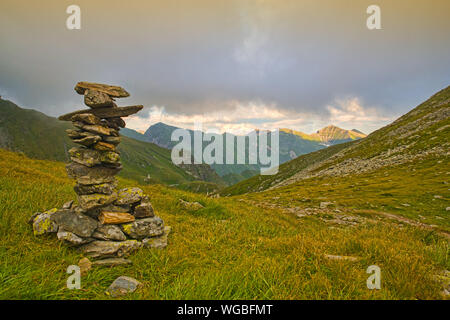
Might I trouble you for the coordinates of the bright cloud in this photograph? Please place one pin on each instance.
(242, 117)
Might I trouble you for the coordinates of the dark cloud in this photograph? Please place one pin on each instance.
(194, 56)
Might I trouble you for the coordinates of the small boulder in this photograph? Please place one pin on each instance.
(122, 286)
(85, 265)
(324, 204)
(191, 206)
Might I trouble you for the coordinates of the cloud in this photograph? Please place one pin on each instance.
(350, 112)
(241, 117)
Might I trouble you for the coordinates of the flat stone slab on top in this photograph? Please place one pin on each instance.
(105, 113)
(112, 91)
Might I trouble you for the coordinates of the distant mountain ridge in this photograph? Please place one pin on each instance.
(329, 135)
(292, 144)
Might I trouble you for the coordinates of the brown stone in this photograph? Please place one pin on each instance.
(116, 122)
(107, 217)
(88, 140)
(97, 99)
(97, 129)
(112, 91)
(104, 146)
(85, 265)
(143, 210)
(112, 140)
(87, 118)
(105, 113)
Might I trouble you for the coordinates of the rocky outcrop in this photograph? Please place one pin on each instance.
(107, 223)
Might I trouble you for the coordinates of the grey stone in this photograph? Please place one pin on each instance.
(104, 188)
(72, 237)
(129, 196)
(157, 242)
(89, 176)
(144, 228)
(107, 249)
(74, 222)
(122, 286)
(91, 158)
(68, 205)
(93, 201)
(109, 232)
(43, 223)
(325, 204)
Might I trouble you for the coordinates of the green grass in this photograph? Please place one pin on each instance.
(230, 249)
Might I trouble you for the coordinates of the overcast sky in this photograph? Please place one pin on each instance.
(234, 65)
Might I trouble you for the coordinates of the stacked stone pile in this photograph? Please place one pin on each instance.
(106, 223)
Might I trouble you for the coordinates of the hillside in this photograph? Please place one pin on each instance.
(421, 134)
(42, 137)
(230, 249)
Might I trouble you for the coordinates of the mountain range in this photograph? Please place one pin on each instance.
(292, 144)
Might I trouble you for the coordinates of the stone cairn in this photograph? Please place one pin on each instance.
(107, 223)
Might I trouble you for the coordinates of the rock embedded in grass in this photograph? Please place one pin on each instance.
(122, 286)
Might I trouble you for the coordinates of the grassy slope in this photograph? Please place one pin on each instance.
(230, 249)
